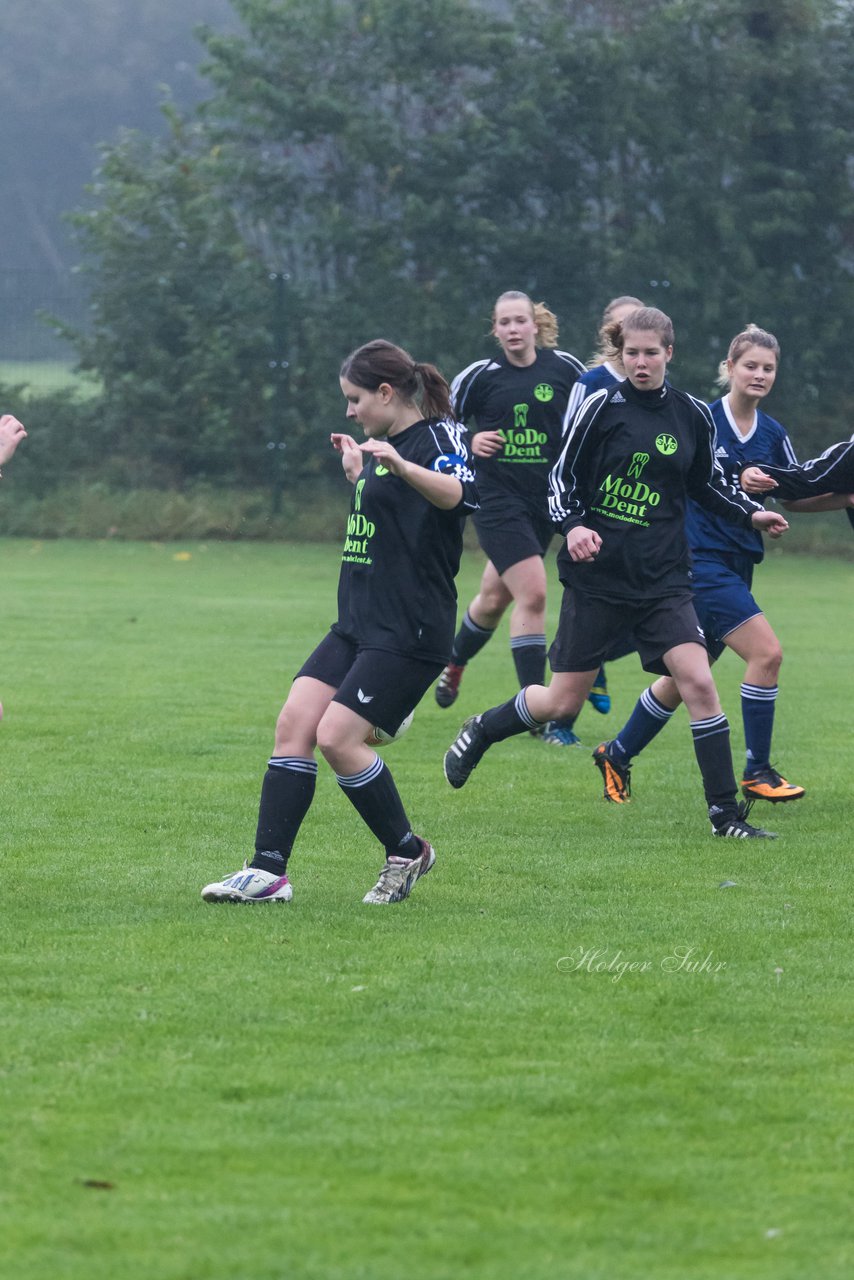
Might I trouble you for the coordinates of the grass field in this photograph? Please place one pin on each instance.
(41, 377)
(470, 1084)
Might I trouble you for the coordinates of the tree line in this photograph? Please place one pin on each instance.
(367, 168)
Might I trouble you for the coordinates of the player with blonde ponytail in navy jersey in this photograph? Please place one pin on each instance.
(413, 486)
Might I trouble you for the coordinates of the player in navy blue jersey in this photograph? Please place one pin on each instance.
(724, 557)
(634, 456)
(604, 368)
(413, 486)
(517, 403)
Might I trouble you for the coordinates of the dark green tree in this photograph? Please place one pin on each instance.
(351, 147)
(394, 166)
(181, 315)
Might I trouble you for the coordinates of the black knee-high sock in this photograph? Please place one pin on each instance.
(712, 749)
(375, 798)
(469, 640)
(529, 659)
(508, 719)
(286, 795)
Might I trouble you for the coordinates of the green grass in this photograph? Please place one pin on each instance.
(325, 1091)
(41, 377)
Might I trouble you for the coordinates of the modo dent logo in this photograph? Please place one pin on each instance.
(544, 392)
(625, 500)
(524, 445)
(360, 530)
(666, 444)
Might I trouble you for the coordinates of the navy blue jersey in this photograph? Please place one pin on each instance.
(528, 406)
(601, 375)
(766, 442)
(401, 554)
(631, 461)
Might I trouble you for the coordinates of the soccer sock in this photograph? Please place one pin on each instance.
(529, 658)
(712, 749)
(757, 711)
(469, 640)
(510, 718)
(286, 795)
(374, 796)
(646, 721)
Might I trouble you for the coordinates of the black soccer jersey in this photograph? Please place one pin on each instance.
(631, 460)
(832, 472)
(401, 554)
(527, 405)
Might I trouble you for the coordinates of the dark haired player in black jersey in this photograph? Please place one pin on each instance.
(634, 455)
(517, 402)
(396, 614)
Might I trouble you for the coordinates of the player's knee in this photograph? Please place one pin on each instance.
(774, 658)
(492, 602)
(564, 706)
(534, 600)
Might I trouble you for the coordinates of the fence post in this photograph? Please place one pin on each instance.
(279, 405)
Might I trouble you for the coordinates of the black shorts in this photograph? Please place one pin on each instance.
(382, 687)
(588, 628)
(510, 533)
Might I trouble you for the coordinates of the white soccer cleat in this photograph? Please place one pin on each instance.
(398, 876)
(249, 885)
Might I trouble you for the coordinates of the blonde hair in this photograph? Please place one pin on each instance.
(642, 320)
(605, 350)
(751, 336)
(544, 319)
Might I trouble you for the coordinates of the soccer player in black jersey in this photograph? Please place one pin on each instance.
(517, 402)
(412, 490)
(604, 368)
(831, 472)
(634, 455)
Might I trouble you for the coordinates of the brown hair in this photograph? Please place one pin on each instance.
(380, 361)
(605, 350)
(751, 336)
(645, 318)
(544, 319)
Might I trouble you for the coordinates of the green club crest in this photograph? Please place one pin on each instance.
(666, 444)
(544, 392)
